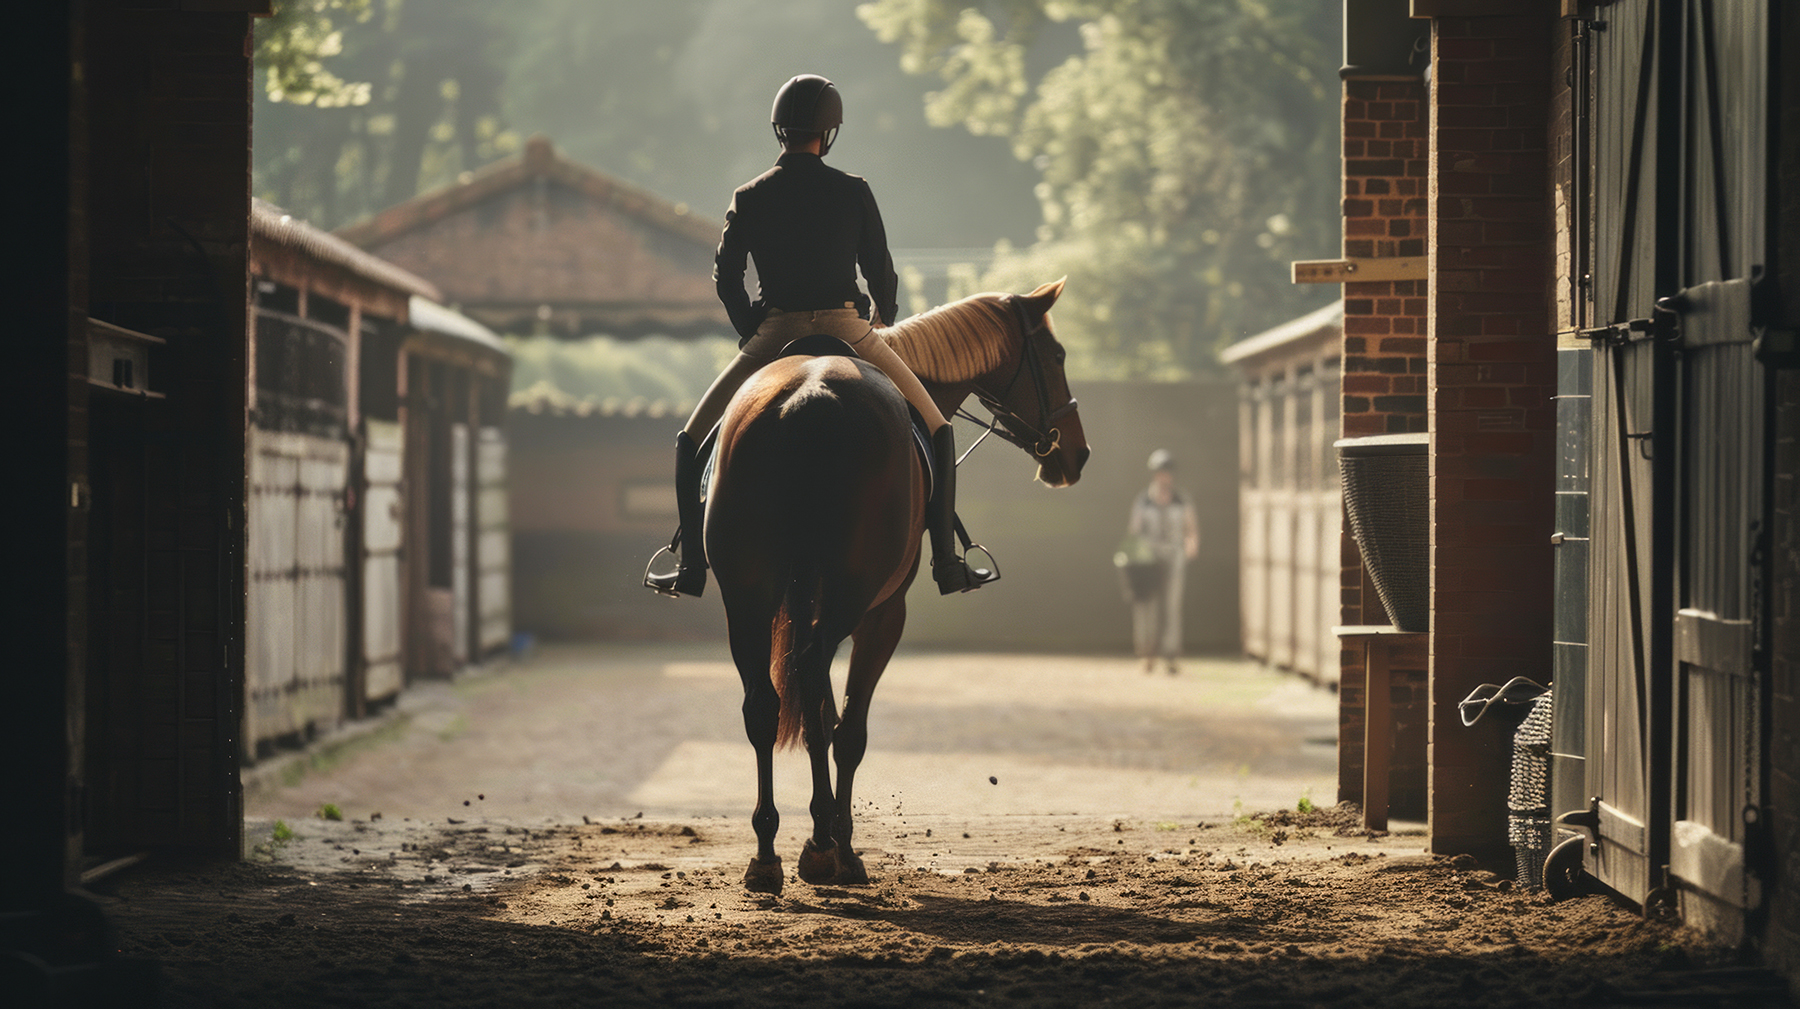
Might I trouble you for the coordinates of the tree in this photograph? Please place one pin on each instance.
(424, 109)
(673, 96)
(1185, 155)
(292, 45)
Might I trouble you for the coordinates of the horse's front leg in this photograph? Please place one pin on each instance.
(762, 711)
(872, 646)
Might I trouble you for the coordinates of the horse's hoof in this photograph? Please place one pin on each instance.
(818, 866)
(763, 877)
(850, 871)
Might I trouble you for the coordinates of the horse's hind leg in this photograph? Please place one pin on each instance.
(813, 672)
(762, 711)
(873, 645)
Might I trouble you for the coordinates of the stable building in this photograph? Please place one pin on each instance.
(377, 509)
(1569, 259)
(1289, 506)
(537, 243)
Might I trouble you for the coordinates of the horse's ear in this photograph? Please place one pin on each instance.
(1040, 300)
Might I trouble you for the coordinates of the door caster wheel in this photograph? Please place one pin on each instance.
(1564, 876)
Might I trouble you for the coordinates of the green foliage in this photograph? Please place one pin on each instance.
(675, 96)
(292, 45)
(429, 109)
(329, 811)
(1186, 154)
(279, 838)
(1305, 805)
(672, 96)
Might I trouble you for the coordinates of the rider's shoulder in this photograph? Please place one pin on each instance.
(760, 180)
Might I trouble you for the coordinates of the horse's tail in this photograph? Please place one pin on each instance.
(800, 673)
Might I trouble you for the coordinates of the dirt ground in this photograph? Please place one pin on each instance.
(1039, 830)
(1029, 910)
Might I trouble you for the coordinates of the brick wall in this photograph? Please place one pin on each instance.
(168, 134)
(1385, 215)
(1492, 377)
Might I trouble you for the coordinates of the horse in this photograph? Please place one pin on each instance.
(813, 524)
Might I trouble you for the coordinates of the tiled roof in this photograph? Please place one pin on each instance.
(540, 159)
(270, 223)
(538, 243)
(430, 317)
(544, 398)
(1327, 321)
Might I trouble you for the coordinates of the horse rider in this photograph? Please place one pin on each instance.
(809, 227)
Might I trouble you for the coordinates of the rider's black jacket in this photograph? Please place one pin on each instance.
(809, 226)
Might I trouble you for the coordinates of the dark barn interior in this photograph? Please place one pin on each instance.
(129, 374)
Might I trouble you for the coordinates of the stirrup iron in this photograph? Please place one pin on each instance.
(663, 584)
(957, 574)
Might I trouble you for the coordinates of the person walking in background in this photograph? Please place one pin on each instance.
(1163, 522)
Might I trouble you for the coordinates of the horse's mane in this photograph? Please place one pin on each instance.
(957, 342)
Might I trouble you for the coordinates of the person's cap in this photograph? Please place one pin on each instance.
(1161, 459)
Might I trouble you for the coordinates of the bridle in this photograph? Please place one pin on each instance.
(1011, 427)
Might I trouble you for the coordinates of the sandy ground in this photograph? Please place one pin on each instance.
(614, 731)
(1077, 911)
(1038, 832)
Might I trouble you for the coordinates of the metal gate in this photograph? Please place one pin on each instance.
(382, 514)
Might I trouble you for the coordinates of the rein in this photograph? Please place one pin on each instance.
(1008, 424)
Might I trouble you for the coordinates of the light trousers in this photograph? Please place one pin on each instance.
(1156, 621)
(782, 328)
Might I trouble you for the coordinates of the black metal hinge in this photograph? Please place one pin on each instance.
(1618, 334)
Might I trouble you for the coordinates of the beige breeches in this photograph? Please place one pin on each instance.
(782, 328)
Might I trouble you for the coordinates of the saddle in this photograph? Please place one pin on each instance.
(824, 345)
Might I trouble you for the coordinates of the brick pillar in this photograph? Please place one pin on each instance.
(1492, 378)
(1385, 162)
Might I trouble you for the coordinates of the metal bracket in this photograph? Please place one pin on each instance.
(1585, 822)
(1633, 331)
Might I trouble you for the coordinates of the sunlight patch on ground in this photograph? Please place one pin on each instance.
(963, 680)
(708, 779)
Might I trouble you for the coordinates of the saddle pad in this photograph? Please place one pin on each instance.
(921, 440)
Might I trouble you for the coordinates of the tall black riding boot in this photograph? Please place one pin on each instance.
(952, 573)
(689, 579)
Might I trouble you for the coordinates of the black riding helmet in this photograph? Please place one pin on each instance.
(809, 104)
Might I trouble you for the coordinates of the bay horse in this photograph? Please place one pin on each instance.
(813, 526)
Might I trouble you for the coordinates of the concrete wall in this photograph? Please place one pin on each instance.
(586, 518)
